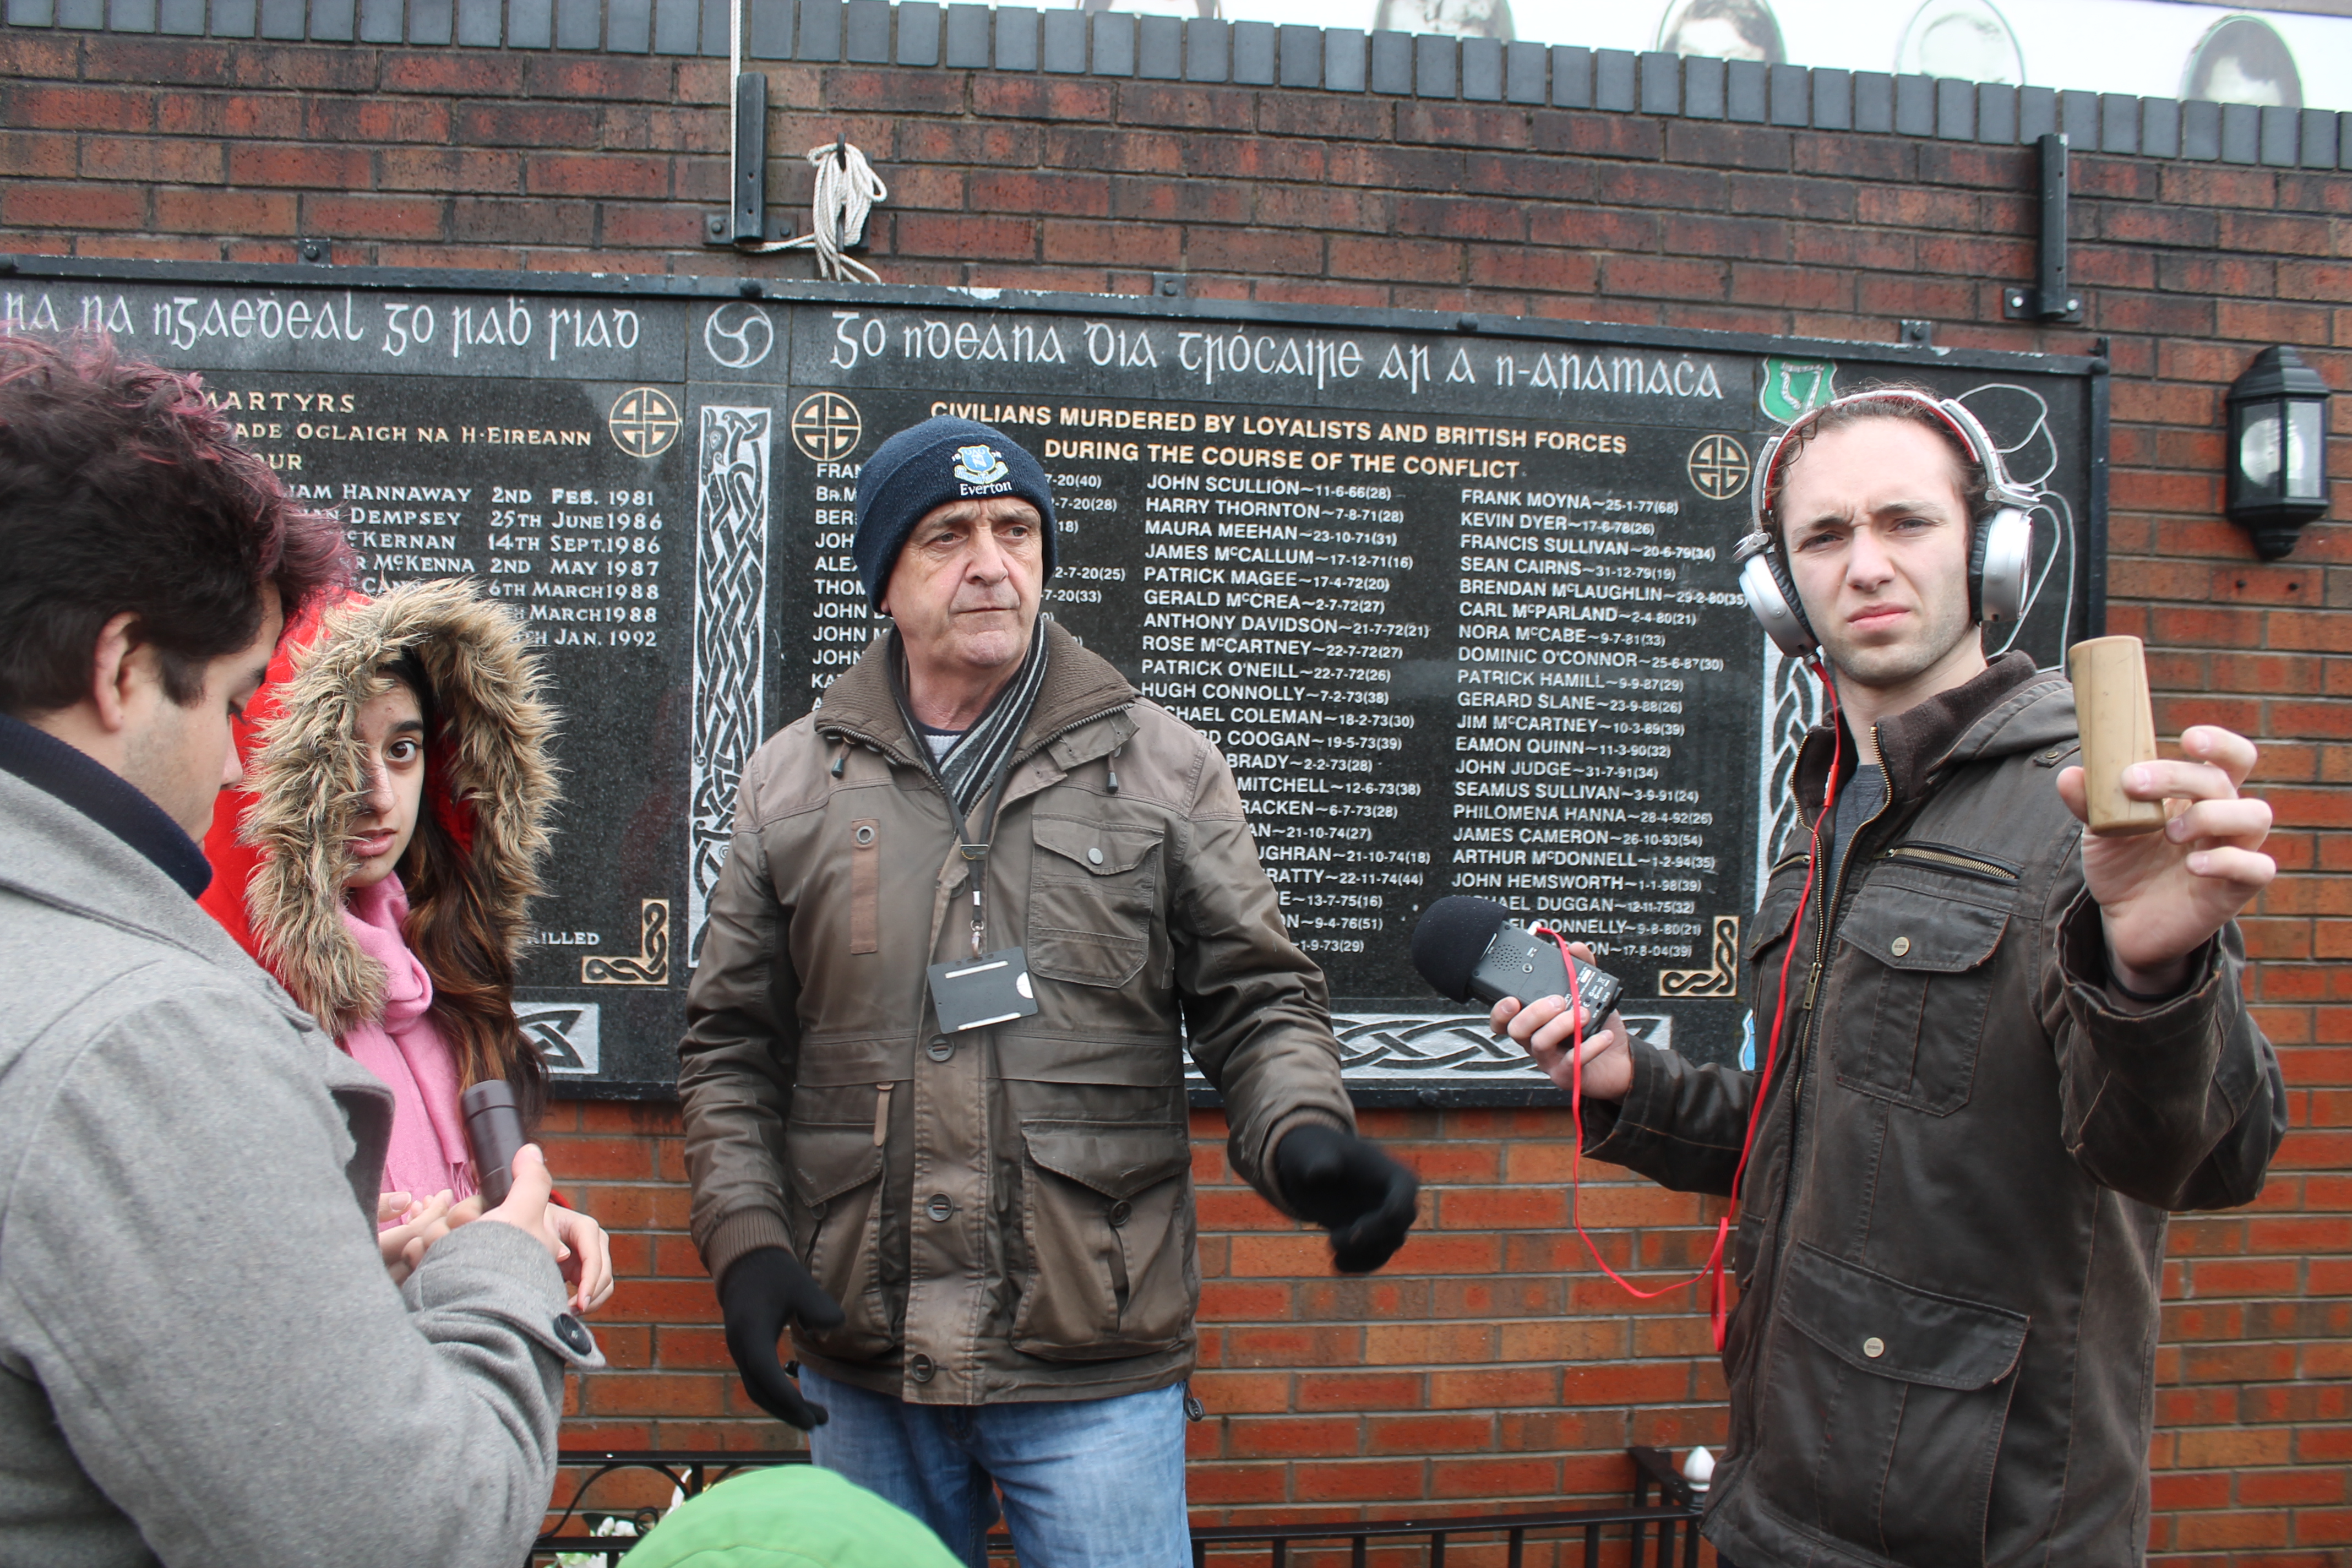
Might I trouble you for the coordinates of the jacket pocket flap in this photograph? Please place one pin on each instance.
(1906, 929)
(1038, 1057)
(1886, 1327)
(1117, 1159)
(829, 1158)
(1772, 919)
(1092, 846)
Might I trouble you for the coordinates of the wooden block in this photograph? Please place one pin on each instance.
(2118, 726)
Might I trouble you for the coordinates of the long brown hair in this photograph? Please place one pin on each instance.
(451, 930)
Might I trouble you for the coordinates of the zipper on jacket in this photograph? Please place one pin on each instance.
(1810, 1034)
(1945, 858)
(1780, 1226)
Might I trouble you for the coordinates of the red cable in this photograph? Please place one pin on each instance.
(1576, 1156)
(1714, 1268)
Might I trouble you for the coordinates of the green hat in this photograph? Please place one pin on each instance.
(788, 1516)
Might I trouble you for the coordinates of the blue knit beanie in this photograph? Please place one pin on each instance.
(926, 467)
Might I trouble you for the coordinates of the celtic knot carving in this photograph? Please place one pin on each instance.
(1451, 1050)
(567, 1036)
(1792, 705)
(731, 593)
(648, 967)
(1721, 978)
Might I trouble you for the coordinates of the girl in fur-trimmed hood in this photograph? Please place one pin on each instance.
(387, 844)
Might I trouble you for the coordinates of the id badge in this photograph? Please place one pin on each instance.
(991, 989)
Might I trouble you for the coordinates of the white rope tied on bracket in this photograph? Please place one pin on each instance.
(847, 191)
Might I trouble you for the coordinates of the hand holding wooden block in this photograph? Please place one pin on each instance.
(2118, 728)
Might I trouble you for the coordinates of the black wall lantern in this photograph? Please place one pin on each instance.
(2278, 450)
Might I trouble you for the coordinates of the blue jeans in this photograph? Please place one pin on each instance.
(1086, 1483)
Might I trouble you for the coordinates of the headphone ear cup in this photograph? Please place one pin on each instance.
(2000, 561)
(1772, 598)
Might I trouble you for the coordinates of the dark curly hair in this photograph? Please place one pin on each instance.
(122, 489)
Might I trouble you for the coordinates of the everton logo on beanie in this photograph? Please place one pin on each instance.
(980, 471)
(924, 468)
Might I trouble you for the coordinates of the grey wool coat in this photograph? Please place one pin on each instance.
(202, 1359)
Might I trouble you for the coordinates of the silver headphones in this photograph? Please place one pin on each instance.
(2000, 553)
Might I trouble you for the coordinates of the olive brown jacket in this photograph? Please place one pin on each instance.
(1004, 1213)
(1952, 1222)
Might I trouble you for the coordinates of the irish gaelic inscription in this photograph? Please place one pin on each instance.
(1457, 605)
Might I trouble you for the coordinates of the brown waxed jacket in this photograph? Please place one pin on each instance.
(1004, 1213)
(1952, 1224)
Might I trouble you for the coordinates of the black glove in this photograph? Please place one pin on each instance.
(1366, 1200)
(762, 1291)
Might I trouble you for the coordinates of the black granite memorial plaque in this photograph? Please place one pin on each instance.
(1454, 596)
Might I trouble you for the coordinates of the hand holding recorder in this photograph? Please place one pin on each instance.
(1547, 1028)
(495, 1136)
(1469, 947)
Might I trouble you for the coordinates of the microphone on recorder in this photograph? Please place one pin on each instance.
(1468, 947)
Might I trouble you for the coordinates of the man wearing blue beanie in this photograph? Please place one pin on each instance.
(978, 906)
(926, 466)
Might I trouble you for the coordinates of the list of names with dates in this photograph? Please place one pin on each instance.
(1458, 607)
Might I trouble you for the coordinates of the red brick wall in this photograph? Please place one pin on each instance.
(1489, 1364)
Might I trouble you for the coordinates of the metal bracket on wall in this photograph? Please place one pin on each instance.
(1172, 285)
(746, 219)
(2053, 297)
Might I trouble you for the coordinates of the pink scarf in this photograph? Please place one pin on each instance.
(429, 1135)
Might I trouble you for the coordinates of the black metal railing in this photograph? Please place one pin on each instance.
(1659, 1534)
(1663, 1534)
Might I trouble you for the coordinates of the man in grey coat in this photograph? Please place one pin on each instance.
(203, 1358)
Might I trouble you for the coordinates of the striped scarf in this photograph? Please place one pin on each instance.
(980, 755)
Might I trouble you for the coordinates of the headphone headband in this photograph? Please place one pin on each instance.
(1957, 417)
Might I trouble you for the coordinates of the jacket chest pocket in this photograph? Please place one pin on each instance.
(1107, 1225)
(1882, 1409)
(1093, 887)
(1905, 1009)
(833, 1206)
(1768, 934)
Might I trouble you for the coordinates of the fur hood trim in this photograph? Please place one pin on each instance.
(489, 780)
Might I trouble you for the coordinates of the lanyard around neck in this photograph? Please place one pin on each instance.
(975, 856)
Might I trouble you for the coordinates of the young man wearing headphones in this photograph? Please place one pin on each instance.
(1993, 1051)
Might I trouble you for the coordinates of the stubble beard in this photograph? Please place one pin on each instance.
(996, 646)
(1887, 667)
(161, 763)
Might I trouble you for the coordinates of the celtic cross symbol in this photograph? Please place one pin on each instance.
(1718, 467)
